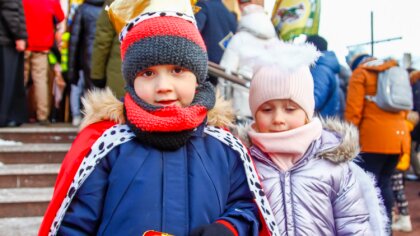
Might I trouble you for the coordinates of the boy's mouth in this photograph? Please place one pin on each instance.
(167, 102)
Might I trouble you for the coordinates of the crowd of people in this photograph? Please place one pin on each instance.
(154, 126)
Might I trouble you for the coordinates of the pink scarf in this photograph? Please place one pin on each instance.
(287, 147)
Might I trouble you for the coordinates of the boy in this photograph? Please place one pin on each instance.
(160, 170)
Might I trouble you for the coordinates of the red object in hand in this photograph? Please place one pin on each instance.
(155, 233)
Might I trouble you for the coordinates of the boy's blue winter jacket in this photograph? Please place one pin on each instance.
(138, 188)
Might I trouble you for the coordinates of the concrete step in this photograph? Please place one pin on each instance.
(56, 133)
(33, 153)
(20, 226)
(24, 202)
(28, 175)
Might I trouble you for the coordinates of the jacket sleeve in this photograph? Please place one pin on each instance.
(350, 208)
(322, 86)
(58, 11)
(230, 58)
(241, 211)
(102, 45)
(355, 97)
(83, 215)
(12, 13)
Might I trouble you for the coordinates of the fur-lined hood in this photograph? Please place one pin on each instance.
(100, 105)
(347, 150)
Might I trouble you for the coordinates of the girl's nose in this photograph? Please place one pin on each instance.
(278, 117)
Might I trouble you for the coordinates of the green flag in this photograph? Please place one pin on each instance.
(294, 17)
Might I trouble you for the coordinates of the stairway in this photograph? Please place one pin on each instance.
(30, 158)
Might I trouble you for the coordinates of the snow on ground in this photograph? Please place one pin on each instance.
(9, 142)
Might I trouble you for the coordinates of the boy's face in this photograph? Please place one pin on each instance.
(279, 115)
(166, 85)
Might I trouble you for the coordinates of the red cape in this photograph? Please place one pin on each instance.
(74, 157)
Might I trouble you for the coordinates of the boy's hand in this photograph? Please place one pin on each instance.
(212, 229)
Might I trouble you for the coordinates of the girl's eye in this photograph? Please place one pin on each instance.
(290, 108)
(177, 70)
(266, 109)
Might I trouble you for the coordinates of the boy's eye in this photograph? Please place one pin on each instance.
(147, 73)
(177, 70)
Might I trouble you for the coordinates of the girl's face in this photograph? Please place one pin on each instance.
(279, 115)
(166, 85)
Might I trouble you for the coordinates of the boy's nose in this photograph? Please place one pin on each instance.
(163, 84)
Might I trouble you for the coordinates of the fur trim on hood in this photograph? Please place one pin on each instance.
(349, 147)
(346, 151)
(102, 105)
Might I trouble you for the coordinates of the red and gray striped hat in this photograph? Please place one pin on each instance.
(160, 38)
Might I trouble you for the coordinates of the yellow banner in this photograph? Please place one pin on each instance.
(294, 17)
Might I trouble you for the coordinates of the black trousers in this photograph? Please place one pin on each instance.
(12, 90)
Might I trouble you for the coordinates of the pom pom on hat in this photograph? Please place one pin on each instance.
(285, 74)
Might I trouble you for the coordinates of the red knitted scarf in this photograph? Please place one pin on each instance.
(165, 119)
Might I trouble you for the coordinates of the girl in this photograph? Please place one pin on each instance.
(304, 164)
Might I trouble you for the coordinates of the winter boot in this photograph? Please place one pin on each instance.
(402, 224)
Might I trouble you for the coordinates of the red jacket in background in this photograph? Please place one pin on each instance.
(40, 16)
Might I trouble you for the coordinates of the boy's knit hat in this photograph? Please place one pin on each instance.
(285, 74)
(162, 32)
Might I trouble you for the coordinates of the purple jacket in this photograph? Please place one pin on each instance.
(325, 193)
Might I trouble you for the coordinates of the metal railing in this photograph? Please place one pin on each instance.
(218, 71)
(226, 85)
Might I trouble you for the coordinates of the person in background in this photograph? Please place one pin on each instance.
(382, 133)
(401, 220)
(13, 35)
(255, 37)
(415, 134)
(80, 49)
(106, 56)
(216, 25)
(328, 95)
(41, 17)
(58, 83)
